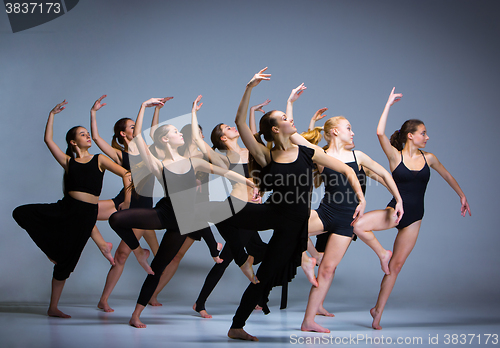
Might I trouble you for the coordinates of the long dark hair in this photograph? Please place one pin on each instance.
(399, 137)
(266, 124)
(118, 141)
(70, 135)
(215, 136)
(187, 134)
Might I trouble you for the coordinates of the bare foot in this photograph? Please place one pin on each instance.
(247, 270)
(57, 313)
(154, 302)
(307, 265)
(240, 334)
(135, 322)
(324, 312)
(203, 312)
(142, 256)
(384, 262)
(104, 306)
(106, 252)
(314, 327)
(258, 308)
(376, 319)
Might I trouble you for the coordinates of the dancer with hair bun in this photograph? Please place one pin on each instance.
(410, 168)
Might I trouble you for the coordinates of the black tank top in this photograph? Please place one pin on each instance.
(338, 190)
(291, 183)
(84, 177)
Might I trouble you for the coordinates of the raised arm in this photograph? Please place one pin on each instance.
(114, 154)
(212, 156)
(438, 167)
(320, 157)
(294, 95)
(251, 121)
(58, 154)
(203, 166)
(258, 150)
(156, 117)
(318, 115)
(388, 181)
(154, 165)
(390, 151)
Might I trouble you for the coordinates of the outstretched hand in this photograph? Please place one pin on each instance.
(197, 107)
(318, 115)
(465, 206)
(97, 105)
(394, 97)
(296, 93)
(155, 102)
(259, 77)
(59, 107)
(258, 107)
(164, 100)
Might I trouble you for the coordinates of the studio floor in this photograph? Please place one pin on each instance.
(175, 324)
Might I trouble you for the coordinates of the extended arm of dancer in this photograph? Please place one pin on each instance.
(294, 95)
(390, 151)
(203, 166)
(376, 168)
(258, 150)
(58, 154)
(438, 167)
(154, 165)
(251, 121)
(107, 164)
(212, 156)
(318, 115)
(111, 152)
(156, 117)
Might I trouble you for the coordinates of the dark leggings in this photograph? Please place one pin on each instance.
(283, 254)
(255, 247)
(123, 221)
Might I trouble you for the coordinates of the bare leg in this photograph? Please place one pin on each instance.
(403, 245)
(335, 249)
(240, 334)
(170, 270)
(57, 288)
(103, 246)
(150, 238)
(135, 320)
(376, 220)
(247, 269)
(315, 226)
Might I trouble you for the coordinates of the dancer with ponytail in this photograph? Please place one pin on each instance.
(287, 170)
(225, 139)
(410, 168)
(62, 229)
(176, 173)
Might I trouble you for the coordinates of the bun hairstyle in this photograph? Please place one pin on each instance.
(215, 136)
(399, 137)
(314, 137)
(118, 141)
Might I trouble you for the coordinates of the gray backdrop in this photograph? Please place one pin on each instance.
(443, 55)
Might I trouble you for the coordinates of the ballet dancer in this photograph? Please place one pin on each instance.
(410, 168)
(287, 170)
(176, 174)
(62, 229)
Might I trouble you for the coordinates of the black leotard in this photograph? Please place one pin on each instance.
(84, 177)
(340, 201)
(411, 185)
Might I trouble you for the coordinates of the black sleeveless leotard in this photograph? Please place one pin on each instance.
(411, 185)
(340, 201)
(145, 198)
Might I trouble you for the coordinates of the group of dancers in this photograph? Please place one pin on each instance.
(288, 164)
